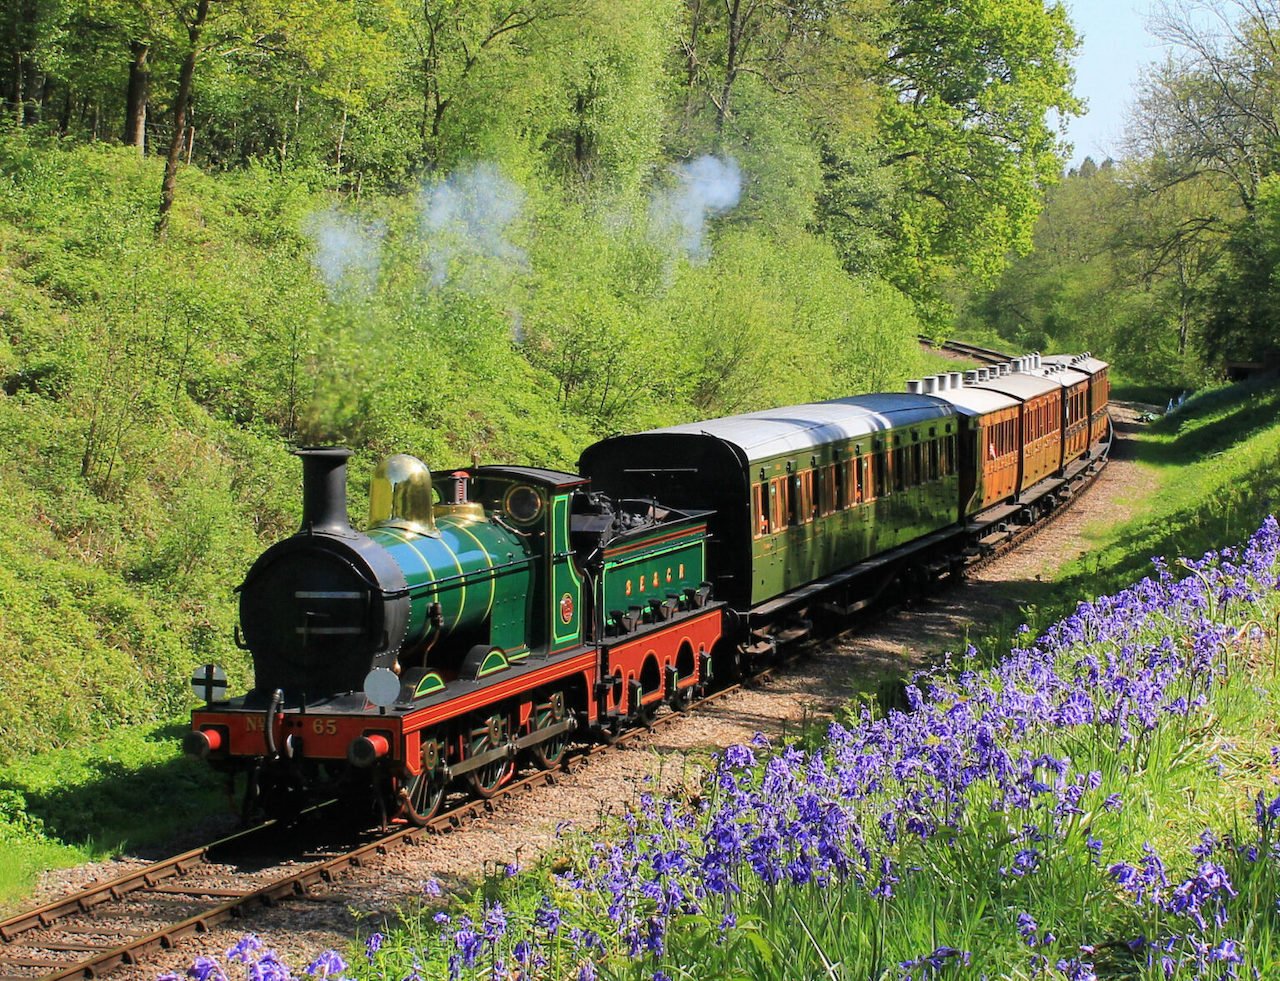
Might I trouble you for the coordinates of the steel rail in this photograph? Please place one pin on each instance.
(148, 877)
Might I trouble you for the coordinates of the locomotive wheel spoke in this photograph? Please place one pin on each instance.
(486, 733)
(548, 754)
(421, 794)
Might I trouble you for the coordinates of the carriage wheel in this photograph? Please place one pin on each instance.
(546, 755)
(488, 732)
(422, 793)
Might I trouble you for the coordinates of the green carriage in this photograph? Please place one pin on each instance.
(804, 497)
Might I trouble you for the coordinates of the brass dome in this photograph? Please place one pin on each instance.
(401, 496)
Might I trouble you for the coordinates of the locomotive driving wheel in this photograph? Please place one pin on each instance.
(421, 793)
(548, 753)
(485, 734)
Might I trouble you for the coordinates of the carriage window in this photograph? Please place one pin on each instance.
(759, 514)
(828, 489)
(802, 502)
(778, 506)
(853, 482)
(899, 469)
(935, 459)
(880, 474)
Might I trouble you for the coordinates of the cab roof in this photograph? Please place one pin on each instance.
(553, 479)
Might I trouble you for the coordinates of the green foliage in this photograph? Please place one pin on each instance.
(150, 388)
(73, 805)
(1166, 263)
(1128, 273)
(966, 126)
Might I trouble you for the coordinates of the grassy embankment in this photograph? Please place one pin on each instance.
(1208, 473)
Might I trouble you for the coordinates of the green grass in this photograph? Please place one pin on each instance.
(128, 792)
(1210, 473)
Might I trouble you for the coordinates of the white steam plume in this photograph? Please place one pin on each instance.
(467, 216)
(347, 253)
(704, 187)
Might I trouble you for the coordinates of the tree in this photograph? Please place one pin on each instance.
(1213, 106)
(1172, 240)
(452, 40)
(1208, 129)
(967, 89)
(195, 27)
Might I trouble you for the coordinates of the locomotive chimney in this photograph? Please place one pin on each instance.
(324, 489)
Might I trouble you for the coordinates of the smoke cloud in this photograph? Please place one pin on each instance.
(704, 187)
(468, 216)
(347, 253)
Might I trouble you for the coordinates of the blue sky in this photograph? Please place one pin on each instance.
(1116, 46)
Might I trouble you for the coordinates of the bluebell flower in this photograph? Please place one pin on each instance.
(206, 969)
(246, 945)
(328, 964)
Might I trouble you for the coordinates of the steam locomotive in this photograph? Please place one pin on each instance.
(489, 616)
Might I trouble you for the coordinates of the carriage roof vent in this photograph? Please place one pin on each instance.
(915, 386)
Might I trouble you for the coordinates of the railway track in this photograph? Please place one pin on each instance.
(120, 922)
(983, 354)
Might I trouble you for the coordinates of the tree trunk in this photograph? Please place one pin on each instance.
(23, 59)
(342, 135)
(180, 118)
(734, 28)
(17, 94)
(135, 113)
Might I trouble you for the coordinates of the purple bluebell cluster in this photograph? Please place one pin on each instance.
(985, 831)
